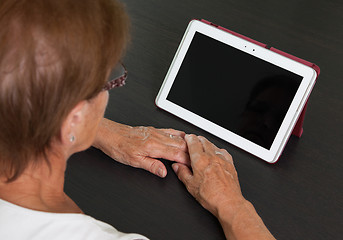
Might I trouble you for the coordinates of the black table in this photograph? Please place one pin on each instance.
(299, 197)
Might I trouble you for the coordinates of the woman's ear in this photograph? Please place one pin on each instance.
(73, 122)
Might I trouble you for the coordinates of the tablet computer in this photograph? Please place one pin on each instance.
(236, 88)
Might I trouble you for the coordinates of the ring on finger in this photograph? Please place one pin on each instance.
(218, 153)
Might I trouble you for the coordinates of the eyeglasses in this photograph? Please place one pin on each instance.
(117, 77)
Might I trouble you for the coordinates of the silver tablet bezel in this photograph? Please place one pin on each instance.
(309, 75)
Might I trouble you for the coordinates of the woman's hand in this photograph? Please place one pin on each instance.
(140, 146)
(213, 180)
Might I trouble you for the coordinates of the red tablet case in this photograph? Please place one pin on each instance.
(298, 128)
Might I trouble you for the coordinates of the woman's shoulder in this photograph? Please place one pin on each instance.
(21, 223)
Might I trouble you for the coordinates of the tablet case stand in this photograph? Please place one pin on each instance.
(298, 128)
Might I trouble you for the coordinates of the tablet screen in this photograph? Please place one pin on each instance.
(233, 89)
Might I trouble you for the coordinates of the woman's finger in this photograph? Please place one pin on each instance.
(160, 150)
(184, 174)
(172, 140)
(208, 146)
(194, 145)
(154, 166)
(212, 149)
(173, 132)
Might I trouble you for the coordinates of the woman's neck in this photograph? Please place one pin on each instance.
(40, 188)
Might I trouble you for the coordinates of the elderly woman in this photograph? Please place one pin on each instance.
(55, 59)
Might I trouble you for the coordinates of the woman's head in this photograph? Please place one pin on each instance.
(53, 54)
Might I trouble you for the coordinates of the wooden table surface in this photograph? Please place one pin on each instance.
(299, 197)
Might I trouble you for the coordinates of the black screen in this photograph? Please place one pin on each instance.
(233, 89)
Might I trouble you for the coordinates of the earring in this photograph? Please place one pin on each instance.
(72, 138)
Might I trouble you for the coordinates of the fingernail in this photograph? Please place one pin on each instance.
(160, 172)
(175, 167)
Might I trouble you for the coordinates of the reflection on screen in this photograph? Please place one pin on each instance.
(234, 90)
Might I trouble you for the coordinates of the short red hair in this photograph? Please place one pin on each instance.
(53, 54)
